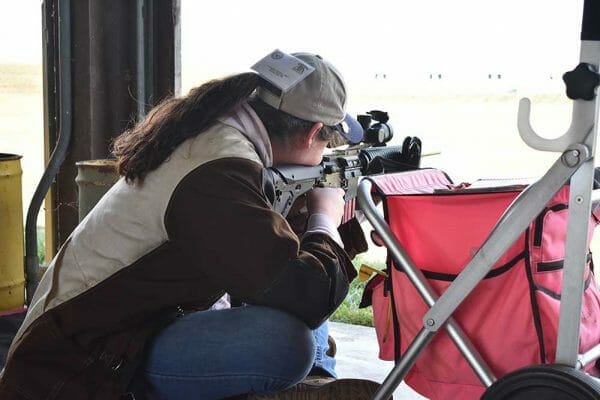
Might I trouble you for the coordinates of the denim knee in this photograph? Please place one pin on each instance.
(293, 340)
(216, 354)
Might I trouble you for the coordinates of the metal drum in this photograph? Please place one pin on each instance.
(12, 269)
(94, 178)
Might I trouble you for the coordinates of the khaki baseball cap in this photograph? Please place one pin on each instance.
(318, 97)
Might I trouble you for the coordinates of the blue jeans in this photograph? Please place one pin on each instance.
(221, 353)
(323, 364)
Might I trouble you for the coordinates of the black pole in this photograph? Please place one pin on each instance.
(590, 28)
(113, 69)
(63, 31)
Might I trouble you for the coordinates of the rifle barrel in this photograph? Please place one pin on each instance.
(388, 153)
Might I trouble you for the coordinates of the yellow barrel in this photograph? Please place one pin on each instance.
(12, 268)
(94, 178)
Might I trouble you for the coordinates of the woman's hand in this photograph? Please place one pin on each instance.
(328, 201)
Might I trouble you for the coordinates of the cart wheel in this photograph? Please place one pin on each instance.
(547, 382)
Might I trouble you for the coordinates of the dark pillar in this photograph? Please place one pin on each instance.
(125, 58)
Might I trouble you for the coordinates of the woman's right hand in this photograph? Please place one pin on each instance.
(328, 201)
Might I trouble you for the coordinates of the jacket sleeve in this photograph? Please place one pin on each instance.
(221, 218)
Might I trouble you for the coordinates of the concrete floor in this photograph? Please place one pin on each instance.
(357, 357)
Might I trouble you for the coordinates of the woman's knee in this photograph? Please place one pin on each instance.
(230, 341)
(290, 341)
(253, 349)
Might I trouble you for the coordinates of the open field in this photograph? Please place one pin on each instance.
(21, 122)
(475, 133)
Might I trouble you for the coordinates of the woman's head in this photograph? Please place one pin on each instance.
(315, 106)
(282, 126)
(318, 96)
(288, 134)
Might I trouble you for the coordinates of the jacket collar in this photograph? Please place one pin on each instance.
(245, 120)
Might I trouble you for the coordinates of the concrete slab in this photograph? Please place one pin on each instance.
(357, 357)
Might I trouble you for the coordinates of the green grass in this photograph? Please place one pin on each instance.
(349, 312)
(41, 250)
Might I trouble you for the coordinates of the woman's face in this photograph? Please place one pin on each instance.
(312, 155)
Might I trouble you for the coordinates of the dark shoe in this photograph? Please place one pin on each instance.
(332, 346)
(324, 389)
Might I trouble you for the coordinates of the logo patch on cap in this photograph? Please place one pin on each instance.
(282, 70)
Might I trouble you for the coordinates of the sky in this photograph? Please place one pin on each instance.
(464, 41)
(407, 40)
(21, 31)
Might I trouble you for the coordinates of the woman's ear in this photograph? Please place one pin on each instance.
(312, 134)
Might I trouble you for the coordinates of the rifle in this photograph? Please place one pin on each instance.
(343, 168)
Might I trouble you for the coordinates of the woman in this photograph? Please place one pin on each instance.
(191, 219)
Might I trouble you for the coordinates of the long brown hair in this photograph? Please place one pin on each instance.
(144, 147)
